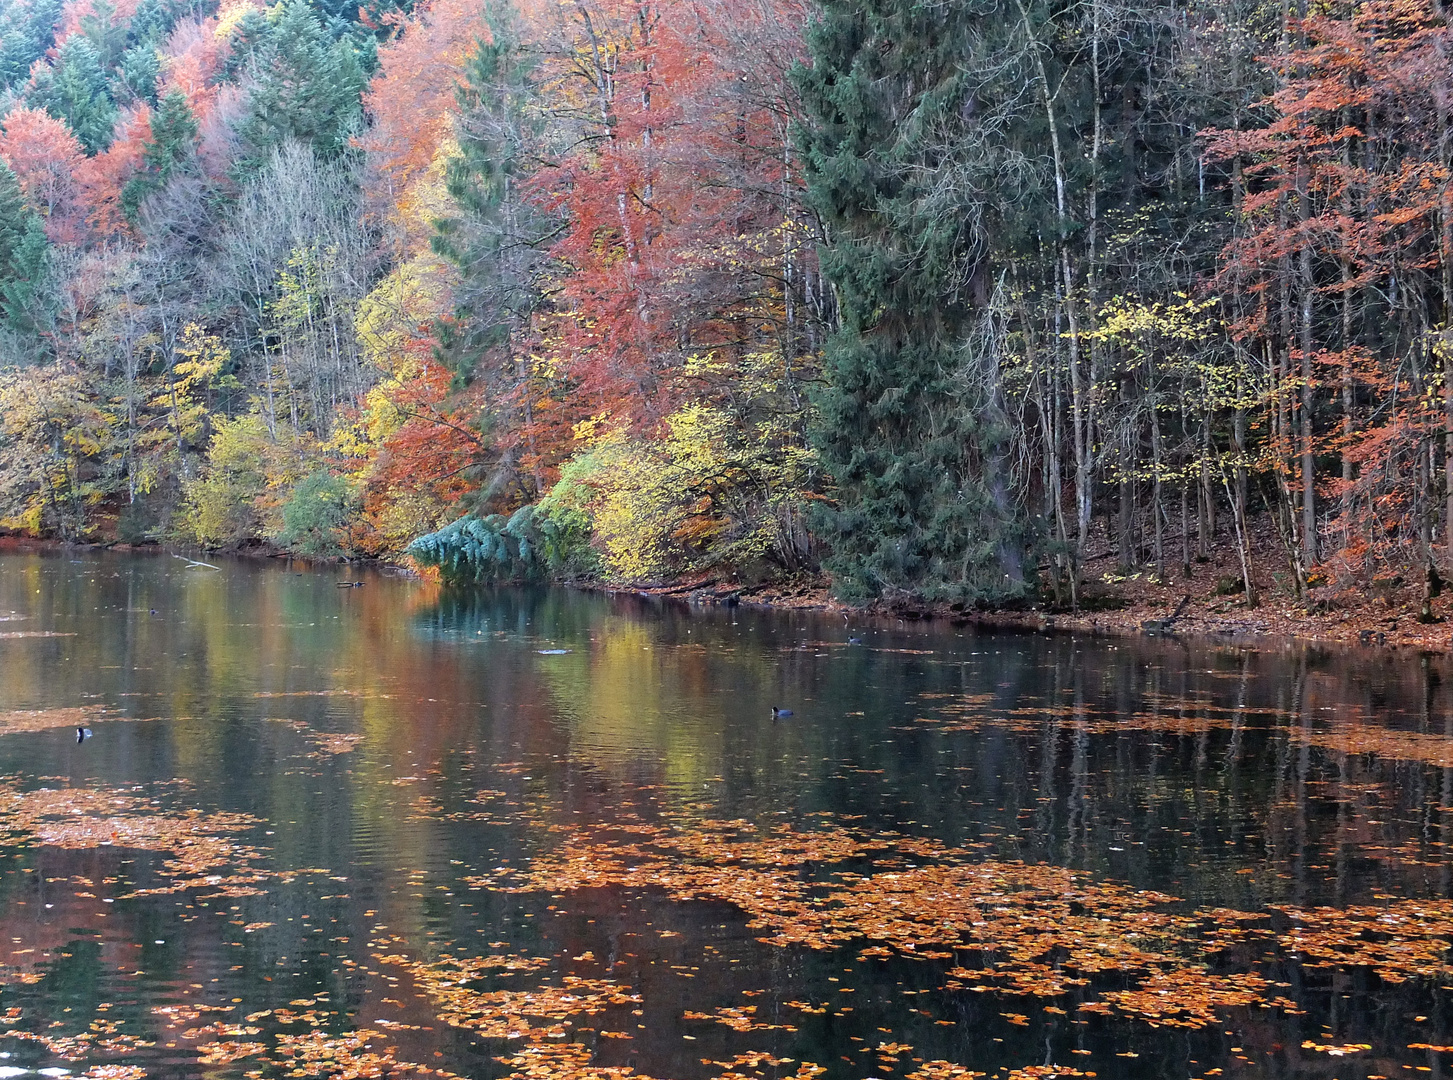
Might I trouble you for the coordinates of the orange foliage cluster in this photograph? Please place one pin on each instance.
(88, 818)
(340, 1057)
(411, 103)
(435, 442)
(554, 1061)
(511, 1014)
(333, 743)
(1346, 735)
(1038, 930)
(1009, 928)
(26, 721)
(1405, 938)
(1190, 998)
(46, 159)
(1348, 176)
(738, 1018)
(943, 1070)
(80, 1046)
(200, 845)
(78, 197)
(541, 1021)
(668, 172)
(313, 1052)
(1336, 1049)
(225, 1053)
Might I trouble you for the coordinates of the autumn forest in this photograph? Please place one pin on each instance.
(937, 299)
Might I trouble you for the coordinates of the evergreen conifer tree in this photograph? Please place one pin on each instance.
(173, 141)
(307, 87)
(23, 254)
(910, 425)
(247, 40)
(15, 217)
(492, 238)
(74, 90)
(26, 32)
(152, 22)
(135, 77)
(106, 33)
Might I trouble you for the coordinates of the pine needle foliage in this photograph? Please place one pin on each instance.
(910, 427)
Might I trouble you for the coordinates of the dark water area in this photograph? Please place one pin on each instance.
(388, 831)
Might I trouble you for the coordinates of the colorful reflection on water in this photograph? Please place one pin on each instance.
(383, 832)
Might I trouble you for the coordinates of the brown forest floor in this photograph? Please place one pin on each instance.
(1115, 602)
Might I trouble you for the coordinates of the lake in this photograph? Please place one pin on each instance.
(384, 831)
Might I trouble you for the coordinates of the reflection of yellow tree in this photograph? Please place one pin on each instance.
(619, 698)
(631, 694)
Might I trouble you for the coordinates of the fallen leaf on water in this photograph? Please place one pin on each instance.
(1336, 1050)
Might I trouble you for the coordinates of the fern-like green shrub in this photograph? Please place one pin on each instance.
(529, 545)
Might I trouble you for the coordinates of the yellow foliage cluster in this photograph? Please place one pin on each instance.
(708, 488)
(240, 491)
(229, 15)
(50, 430)
(396, 310)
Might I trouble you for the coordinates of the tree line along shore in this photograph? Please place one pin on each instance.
(957, 307)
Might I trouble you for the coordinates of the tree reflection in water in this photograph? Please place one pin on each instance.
(385, 832)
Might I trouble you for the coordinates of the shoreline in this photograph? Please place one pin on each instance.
(1385, 617)
(1382, 621)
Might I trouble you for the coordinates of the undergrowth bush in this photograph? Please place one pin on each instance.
(532, 544)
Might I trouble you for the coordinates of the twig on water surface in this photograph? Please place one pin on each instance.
(194, 562)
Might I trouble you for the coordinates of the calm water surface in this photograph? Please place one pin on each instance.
(382, 831)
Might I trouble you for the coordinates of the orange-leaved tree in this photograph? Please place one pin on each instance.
(1339, 278)
(45, 157)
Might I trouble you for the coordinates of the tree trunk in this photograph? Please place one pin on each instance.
(1308, 464)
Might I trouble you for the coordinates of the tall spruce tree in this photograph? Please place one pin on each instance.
(911, 428)
(26, 32)
(74, 89)
(493, 236)
(24, 251)
(307, 86)
(136, 76)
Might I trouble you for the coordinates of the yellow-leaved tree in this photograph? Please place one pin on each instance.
(54, 441)
(247, 477)
(176, 412)
(716, 487)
